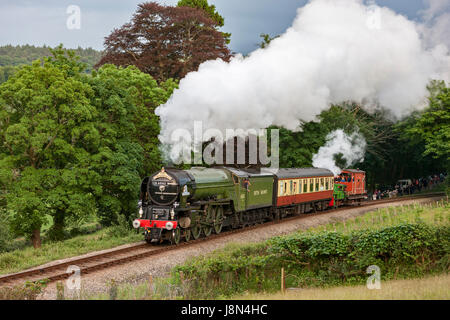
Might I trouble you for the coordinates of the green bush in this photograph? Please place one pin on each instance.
(27, 291)
(320, 259)
(122, 228)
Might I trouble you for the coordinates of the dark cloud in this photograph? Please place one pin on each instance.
(44, 22)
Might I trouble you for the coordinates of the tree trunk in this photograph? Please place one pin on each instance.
(57, 230)
(36, 238)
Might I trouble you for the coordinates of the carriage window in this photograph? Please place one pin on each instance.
(321, 184)
(317, 184)
(235, 179)
(327, 183)
(305, 185)
(286, 191)
(311, 185)
(281, 189)
(300, 186)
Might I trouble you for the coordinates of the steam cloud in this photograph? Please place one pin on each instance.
(351, 147)
(335, 51)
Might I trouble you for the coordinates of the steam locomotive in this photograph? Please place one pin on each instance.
(178, 205)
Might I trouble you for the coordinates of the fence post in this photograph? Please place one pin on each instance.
(283, 281)
(150, 285)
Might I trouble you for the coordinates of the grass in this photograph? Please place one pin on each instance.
(432, 288)
(25, 258)
(436, 213)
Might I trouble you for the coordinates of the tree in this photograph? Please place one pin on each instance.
(46, 135)
(19, 55)
(210, 11)
(433, 125)
(125, 99)
(165, 42)
(73, 145)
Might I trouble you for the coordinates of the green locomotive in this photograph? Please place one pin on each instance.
(186, 204)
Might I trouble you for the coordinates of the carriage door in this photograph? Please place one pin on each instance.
(359, 183)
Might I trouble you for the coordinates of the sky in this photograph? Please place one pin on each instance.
(46, 21)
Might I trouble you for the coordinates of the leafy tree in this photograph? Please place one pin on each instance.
(125, 99)
(209, 9)
(72, 145)
(11, 56)
(165, 42)
(46, 135)
(6, 72)
(433, 125)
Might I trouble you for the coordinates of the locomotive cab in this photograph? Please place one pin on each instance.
(355, 185)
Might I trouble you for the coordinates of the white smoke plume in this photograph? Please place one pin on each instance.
(436, 26)
(335, 51)
(351, 147)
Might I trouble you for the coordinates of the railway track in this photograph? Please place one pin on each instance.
(114, 257)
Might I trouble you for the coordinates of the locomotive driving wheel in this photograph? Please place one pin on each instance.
(218, 220)
(196, 231)
(176, 236)
(208, 220)
(187, 235)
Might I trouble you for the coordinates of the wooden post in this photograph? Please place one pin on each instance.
(150, 285)
(283, 283)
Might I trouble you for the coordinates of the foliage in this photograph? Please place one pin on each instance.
(406, 241)
(433, 125)
(46, 136)
(125, 99)
(392, 152)
(321, 259)
(20, 55)
(6, 72)
(266, 40)
(28, 291)
(122, 229)
(165, 42)
(5, 234)
(73, 145)
(209, 9)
